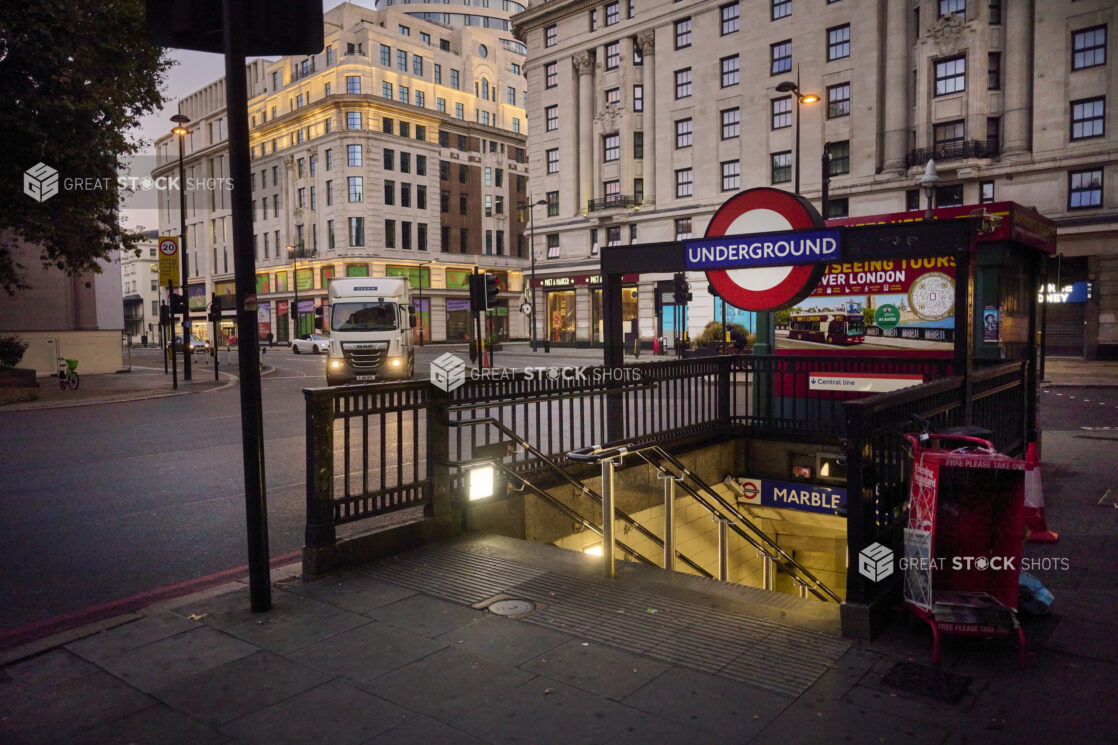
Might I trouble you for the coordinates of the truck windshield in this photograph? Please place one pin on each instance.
(363, 317)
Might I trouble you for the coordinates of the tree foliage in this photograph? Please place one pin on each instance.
(75, 78)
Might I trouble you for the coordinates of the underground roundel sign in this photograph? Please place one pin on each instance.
(772, 269)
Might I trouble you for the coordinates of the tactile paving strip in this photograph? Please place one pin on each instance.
(766, 654)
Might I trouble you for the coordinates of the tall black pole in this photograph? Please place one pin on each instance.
(826, 175)
(235, 18)
(796, 147)
(185, 268)
(532, 250)
(174, 365)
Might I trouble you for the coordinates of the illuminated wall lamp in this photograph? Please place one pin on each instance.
(595, 550)
(481, 482)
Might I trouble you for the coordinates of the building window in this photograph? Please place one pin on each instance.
(389, 159)
(951, 75)
(683, 83)
(781, 167)
(638, 145)
(731, 175)
(953, 7)
(438, 73)
(390, 192)
(840, 158)
(912, 199)
(404, 95)
(683, 33)
(838, 100)
(385, 55)
(551, 74)
(1088, 48)
(782, 112)
(638, 98)
(454, 80)
(613, 13)
(949, 196)
(730, 67)
(638, 190)
(682, 228)
(729, 18)
(553, 204)
(401, 60)
(353, 120)
(390, 234)
(781, 8)
(417, 65)
(611, 146)
(985, 192)
(440, 104)
(459, 111)
(731, 123)
(995, 11)
(838, 208)
(356, 231)
(552, 116)
(353, 155)
(993, 135)
(553, 160)
(683, 133)
(613, 97)
(613, 55)
(551, 36)
(948, 138)
(353, 84)
(1087, 118)
(838, 42)
(781, 55)
(683, 182)
(386, 90)
(553, 245)
(593, 19)
(994, 71)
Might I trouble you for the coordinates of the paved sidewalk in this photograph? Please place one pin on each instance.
(403, 651)
(1074, 372)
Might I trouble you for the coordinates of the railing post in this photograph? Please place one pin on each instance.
(766, 571)
(857, 514)
(319, 535)
(725, 414)
(438, 452)
(669, 521)
(608, 539)
(723, 550)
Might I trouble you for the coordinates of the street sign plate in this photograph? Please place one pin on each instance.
(168, 260)
(764, 210)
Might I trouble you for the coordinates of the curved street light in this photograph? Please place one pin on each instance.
(181, 120)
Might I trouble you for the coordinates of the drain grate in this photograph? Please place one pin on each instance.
(512, 607)
(932, 682)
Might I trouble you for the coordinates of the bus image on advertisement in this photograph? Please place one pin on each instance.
(845, 328)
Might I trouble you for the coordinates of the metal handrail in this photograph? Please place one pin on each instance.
(574, 482)
(595, 454)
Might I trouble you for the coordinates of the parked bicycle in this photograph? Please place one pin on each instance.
(67, 374)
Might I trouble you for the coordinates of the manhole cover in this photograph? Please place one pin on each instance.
(512, 607)
(932, 682)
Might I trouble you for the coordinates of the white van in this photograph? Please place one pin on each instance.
(370, 330)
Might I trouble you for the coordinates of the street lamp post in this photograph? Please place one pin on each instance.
(181, 120)
(532, 249)
(295, 253)
(419, 314)
(801, 98)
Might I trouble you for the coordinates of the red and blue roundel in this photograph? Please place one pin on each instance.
(764, 210)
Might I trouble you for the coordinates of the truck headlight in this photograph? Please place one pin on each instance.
(395, 362)
(335, 363)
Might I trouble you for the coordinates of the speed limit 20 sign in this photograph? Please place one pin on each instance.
(168, 260)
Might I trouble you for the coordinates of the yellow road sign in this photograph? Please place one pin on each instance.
(169, 260)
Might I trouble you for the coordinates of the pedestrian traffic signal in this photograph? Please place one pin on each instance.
(319, 312)
(178, 305)
(492, 291)
(164, 315)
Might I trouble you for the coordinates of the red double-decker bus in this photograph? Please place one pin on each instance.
(830, 328)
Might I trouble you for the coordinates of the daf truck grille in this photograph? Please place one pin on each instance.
(365, 356)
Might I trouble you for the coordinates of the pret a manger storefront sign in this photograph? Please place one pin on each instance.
(764, 249)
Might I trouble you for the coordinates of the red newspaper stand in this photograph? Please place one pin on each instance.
(964, 538)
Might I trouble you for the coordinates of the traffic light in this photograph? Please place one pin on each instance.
(682, 289)
(319, 312)
(164, 315)
(492, 290)
(215, 307)
(477, 293)
(178, 305)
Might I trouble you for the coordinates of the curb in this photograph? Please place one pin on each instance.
(139, 396)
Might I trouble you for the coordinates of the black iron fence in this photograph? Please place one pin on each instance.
(954, 149)
(380, 448)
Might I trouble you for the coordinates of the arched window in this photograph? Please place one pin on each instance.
(485, 88)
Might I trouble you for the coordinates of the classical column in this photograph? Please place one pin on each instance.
(1018, 76)
(584, 63)
(625, 130)
(647, 41)
(897, 106)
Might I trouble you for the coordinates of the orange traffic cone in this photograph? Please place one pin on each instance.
(1035, 520)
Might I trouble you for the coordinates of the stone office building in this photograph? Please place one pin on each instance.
(648, 114)
(399, 150)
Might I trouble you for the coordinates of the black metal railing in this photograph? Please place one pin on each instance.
(949, 150)
(302, 70)
(612, 202)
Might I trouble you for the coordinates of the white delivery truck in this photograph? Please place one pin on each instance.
(370, 330)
